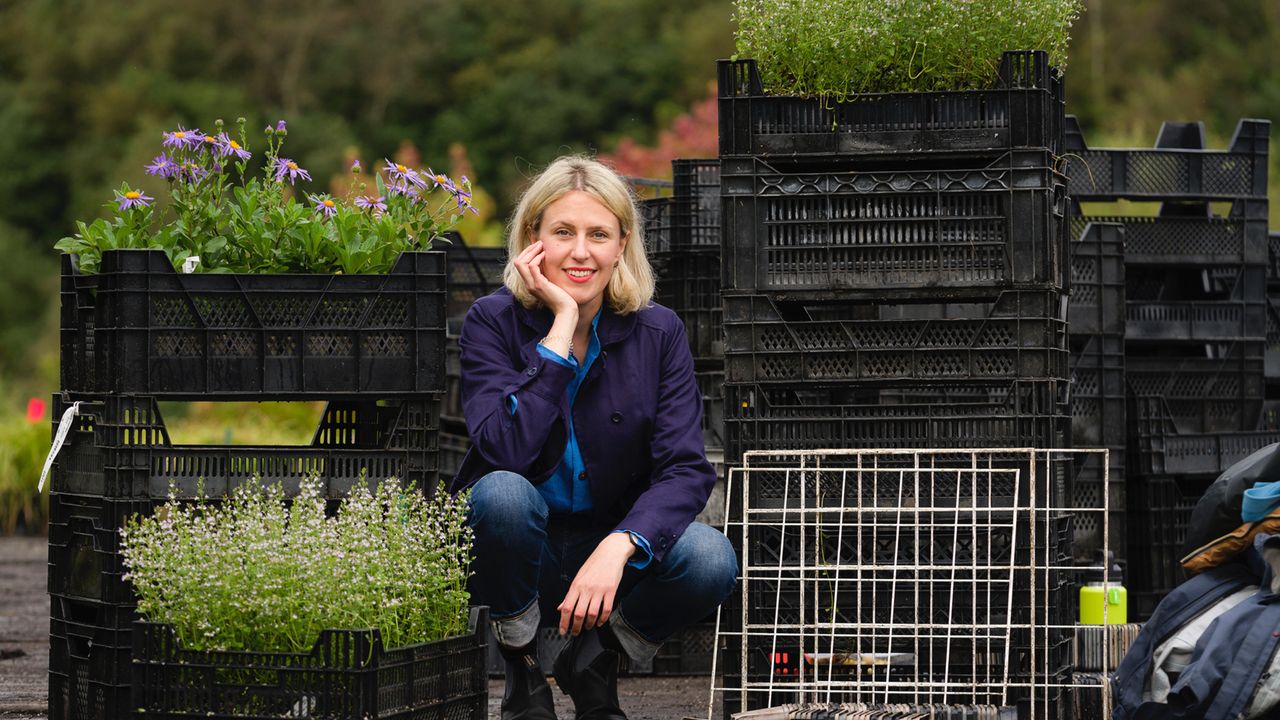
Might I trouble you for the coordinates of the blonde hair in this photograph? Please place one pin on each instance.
(631, 285)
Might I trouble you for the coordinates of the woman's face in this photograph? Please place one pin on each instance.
(582, 240)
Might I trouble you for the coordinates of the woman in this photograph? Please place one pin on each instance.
(587, 465)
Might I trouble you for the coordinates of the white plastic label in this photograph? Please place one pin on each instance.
(190, 264)
(64, 428)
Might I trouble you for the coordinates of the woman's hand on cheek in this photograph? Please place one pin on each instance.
(589, 602)
(529, 264)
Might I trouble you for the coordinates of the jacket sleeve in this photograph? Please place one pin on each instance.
(530, 441)
(682, 477)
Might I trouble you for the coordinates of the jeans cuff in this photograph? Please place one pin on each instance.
(519, 629)
(639, 648)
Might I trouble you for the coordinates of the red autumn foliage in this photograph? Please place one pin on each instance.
(695, 134)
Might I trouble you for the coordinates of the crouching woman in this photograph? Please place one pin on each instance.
(587, 464)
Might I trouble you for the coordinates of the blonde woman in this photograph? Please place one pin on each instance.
(587, 464)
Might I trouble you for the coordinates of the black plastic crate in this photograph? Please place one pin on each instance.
(1087, 488)
(1168, 173)
(1199, 241)
(1160, 512)
(451, 406)
(1271, 360)
(1192, 304)
(473, 273)
(711, 387)
(1194, 393)
(453, 448)
(119, 449)
(1018, 335)
(140, 327)
(689, 284)
(1273, 257)
(1097, 280)
(1025, 109)
(90, 659)
(861, 231)
(696, 204)
(348, 674)
(688, 652)
(936, 415)
(85, 565)
(1098, 392)
(1157, 447)
(656, 219)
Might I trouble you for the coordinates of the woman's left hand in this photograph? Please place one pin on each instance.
(589, 602)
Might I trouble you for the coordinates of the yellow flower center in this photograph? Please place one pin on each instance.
(180, 135)
(440, 179)
(234, 145)
(400, 168)
(210, 139)
(330, 204)
(133, 195)
(293, 166)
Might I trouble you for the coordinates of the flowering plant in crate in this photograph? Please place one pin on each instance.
(868, 46)
(234, 221)
(256, 573)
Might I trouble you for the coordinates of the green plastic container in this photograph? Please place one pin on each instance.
(1096, 596)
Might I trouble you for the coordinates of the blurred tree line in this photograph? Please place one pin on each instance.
(499, 88)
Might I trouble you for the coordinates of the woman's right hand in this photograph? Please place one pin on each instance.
(529, 264)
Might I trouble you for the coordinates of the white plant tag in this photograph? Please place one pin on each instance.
(190, 264)
(64, 428)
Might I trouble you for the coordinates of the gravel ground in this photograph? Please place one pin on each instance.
(24, 652)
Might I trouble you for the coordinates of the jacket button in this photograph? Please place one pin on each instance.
(533, 370)
(582, 475)
(616, 417)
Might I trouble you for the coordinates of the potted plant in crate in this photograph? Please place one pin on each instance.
(868, 77)
(258, 607)
(236, 287)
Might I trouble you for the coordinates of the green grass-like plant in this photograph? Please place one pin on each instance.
(258, 572)
(834, 49)
(23, 447)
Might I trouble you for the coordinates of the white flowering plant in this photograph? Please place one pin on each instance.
(834, 49)
(259, 572)
(219, 211)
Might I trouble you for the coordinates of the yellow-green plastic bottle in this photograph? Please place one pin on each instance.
(1095, 596)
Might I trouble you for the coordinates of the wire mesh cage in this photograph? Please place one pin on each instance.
(908, 578)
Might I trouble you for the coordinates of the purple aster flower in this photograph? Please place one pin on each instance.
(227, 146)
(403, 188)
(378, 206)
(132, 198)
(355, 166)
(191, 171)
(208, 142)
(280, 126)
(400, 173)
(163, 167)
(181, 138)
(325, 205)
(285, 166)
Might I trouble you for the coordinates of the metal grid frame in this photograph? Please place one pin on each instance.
(914, 498)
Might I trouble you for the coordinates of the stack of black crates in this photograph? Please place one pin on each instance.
(1192, 349)
(894, 276)
(138, 333)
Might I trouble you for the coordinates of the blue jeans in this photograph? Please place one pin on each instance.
(525, 562)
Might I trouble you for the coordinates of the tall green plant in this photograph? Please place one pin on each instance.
(831, 49)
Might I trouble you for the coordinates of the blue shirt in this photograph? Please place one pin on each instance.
(566, 491)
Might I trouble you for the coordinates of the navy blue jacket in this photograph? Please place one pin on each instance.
(1229, 658)
(637, 416)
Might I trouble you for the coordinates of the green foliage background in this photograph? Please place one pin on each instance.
(86, 87)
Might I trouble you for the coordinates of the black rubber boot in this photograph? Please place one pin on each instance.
(588, 671)
(528, 696)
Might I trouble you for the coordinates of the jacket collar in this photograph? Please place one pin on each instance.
(613, 328)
